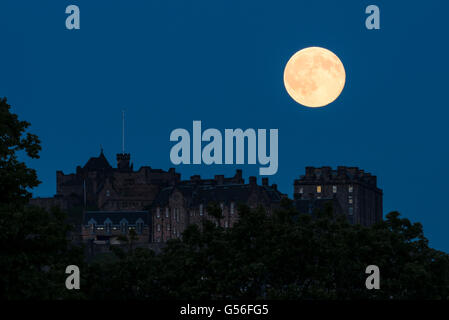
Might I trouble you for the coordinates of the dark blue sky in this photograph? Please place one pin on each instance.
(170, 62)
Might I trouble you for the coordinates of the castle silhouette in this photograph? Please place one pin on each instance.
(157, 205)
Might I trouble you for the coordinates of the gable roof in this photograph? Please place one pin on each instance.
(97, 163)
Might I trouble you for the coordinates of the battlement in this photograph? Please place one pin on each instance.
(328, 175)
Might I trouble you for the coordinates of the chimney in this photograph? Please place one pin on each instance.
(310, 171)
(341, 171)
(252, 180)
(265, 182)
(219, 179)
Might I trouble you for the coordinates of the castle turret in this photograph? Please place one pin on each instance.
(123, 161)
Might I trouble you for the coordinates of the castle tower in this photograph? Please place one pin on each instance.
(354, 189)
(123, 160)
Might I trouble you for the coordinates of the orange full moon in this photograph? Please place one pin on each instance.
(314, 77)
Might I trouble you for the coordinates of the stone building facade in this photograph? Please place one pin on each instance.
(354, 189)
(187, 203)
(100, 186)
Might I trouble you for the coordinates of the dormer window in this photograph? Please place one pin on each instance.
(124, 226)
(139, 225)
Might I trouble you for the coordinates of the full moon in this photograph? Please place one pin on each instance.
(314, 77)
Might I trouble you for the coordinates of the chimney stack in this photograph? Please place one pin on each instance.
(252, 180)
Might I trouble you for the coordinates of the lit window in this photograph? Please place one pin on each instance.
(232, 207)
(158, 227)
(226, 224)
(318, 189)
(108, 193)
(350, 189)
(201, 209)
(166, 212)
(168, 227)
(301, 190)
(350, 199)
(334, 189)
(222, 207)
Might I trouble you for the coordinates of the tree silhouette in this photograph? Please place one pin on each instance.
(34, 250)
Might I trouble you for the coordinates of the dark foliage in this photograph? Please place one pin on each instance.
(285, 255)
